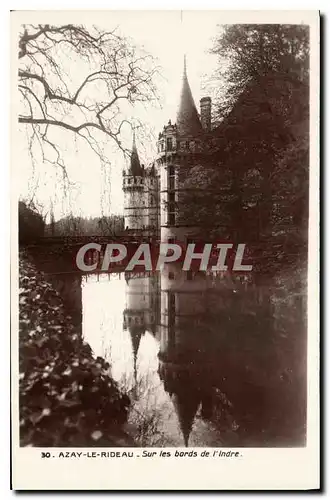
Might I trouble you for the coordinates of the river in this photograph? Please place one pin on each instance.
(206, 359)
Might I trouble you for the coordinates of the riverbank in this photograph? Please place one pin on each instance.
(67, 395)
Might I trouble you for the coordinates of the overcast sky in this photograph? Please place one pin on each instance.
(167, 35)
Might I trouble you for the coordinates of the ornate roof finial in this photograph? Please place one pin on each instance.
(187, 121)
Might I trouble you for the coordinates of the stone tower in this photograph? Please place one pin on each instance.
(141, 311)
(141, 196)
(134, 187)
(179, 148)
(183, 359)
(152, 200)
(153, 195)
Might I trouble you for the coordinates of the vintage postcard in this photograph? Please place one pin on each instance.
(165, 218)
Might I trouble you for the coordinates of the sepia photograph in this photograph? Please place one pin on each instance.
(161, 187)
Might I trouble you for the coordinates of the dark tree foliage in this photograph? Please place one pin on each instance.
(255, 51)
(252, 185)
(31, 223)
(67, 395)
(79, 226)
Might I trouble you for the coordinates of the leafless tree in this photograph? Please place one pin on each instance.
(80, 80)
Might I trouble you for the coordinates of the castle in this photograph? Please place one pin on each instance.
(152, 195)
(191, 316)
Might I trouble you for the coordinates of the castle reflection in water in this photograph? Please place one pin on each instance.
(207, 360)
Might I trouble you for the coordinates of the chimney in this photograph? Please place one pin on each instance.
(205, 104)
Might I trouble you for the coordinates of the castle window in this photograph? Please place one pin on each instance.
(171, 170)
(169, 144)
(129, 181)
(171, 198)
(171, 177)
(171, 305)
(171, 207)
(171, 218)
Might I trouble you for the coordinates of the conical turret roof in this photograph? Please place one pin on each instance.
(186, 405)
(136, 332)
(135, 166)
(187, 121)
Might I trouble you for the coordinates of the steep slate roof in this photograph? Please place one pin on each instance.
(136, 332)
(135, 166)
(186, 405)
(187, 121)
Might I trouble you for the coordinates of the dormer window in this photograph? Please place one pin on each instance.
(169, 143)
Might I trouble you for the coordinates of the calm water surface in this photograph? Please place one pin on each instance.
(207, 360)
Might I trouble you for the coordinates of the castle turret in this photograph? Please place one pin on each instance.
(141, 311)
(179, 145)
(183, 360)
(134, 187)
(152, 198)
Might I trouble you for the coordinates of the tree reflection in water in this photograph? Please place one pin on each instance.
(207, 360)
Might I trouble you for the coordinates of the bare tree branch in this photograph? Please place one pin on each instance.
(114, 72)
